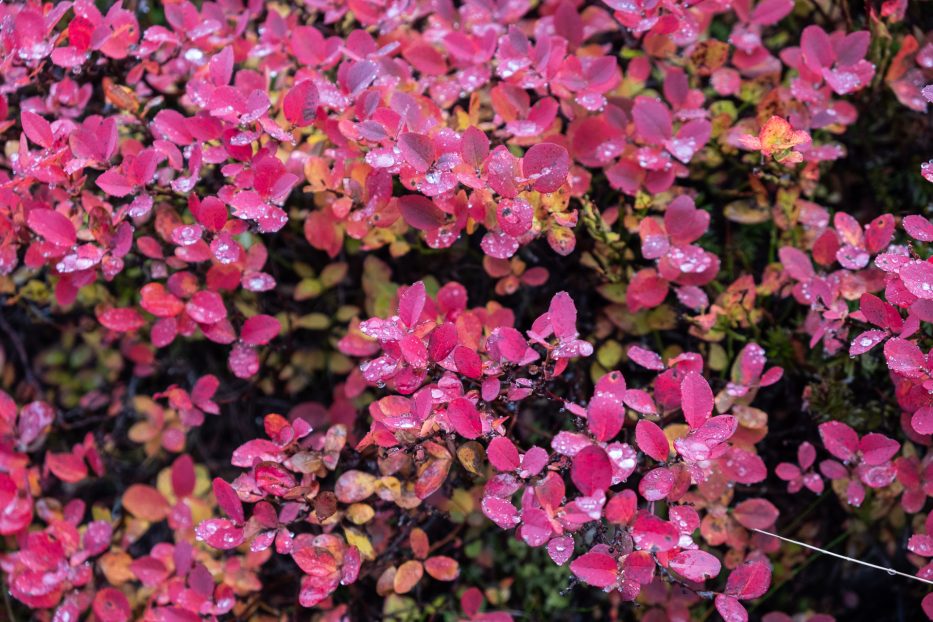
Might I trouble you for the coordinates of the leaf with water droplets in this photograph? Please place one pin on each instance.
(546, 165)
(596, 569)
(917, 277)
(695, 565)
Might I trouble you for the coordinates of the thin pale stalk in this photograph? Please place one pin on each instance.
(890, 571)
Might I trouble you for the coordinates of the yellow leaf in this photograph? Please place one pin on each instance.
(360, 541)
(360, 513)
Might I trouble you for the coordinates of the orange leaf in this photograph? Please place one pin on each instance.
(407, 576)
(442, 568)
(146, 502)
(777, 135)
(420, 545)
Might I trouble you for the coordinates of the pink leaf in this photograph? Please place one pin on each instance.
(301, 103)
(563, 316)
(206, 307)
(420, 212)
(696, 399)
(756, 514)
(560, 549)
(918, 278)
(502, 454)
(37, 129)
(904, 357)
(220, 533)
(115, 184)
(417, 149)
(122, 320)
(474, 146)
(52, 225)
(547, 165)
(730, 609)
(260, 329)
(411, 303)
(652, 120)
(918, 227)
(651, 440)
(646, 358)
(591, 470)
(606, 411)
(596, 569)
(816, 48)
(465, 419)
(770, 12)
(695, 565)
(654, 534)
(877, 448)
(749, 581)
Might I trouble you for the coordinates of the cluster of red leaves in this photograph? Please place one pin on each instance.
(168, 158)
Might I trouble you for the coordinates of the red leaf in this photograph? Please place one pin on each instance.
(206, 307)
(52, 225)
(121, 320)
(730, 609)
(563, 316)
(696, 399)
(749, 581)
(596, 569)
(839, 439)
(591, 470)
(66, 466)
(417, 149)
(546, 165)
(220, 533)
(301, 103)
(420, 212)
(474, 146)
(37, 129)
(756, 514)
(115, 184)
(651, 533)
(877, 449)
(651, 440)
(159, 302)
(606, 411)
(110, 605)
(918, 278)
(502, 454)
(411, 304)
(696, 565)
(183, 476)
(260, 329)
(465, 419)
(652, 120)
(228, 500)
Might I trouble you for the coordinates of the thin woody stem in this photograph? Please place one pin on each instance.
(850, 559)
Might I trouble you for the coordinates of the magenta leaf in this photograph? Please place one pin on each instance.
(546, 165)
(696, 399)
(596, 569)
(695, 565)
(591, 470)
(749, 581)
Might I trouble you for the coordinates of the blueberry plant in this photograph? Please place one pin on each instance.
(486, 310)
